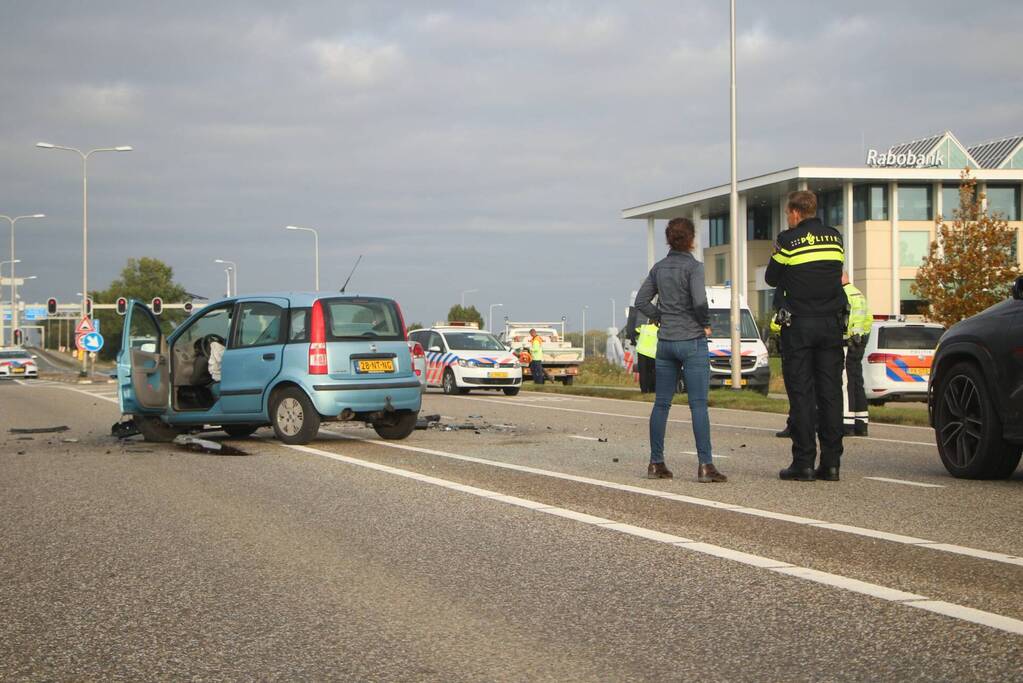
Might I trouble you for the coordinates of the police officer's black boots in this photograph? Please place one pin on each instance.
(793, 473)
(826, 473)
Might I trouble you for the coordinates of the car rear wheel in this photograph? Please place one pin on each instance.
(568, 380)
(240, 431)
(402, 424)
(293, 416)
(967, 427)
(155, 430)
(511, 391)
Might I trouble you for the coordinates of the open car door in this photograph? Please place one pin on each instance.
(143, 381)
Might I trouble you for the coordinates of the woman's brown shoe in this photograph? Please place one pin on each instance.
(657, 470)
(708, 473)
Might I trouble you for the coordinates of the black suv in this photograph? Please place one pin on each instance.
(975, 396)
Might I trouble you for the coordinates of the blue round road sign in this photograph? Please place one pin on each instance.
(92, 342)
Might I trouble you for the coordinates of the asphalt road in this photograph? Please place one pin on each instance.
(528, 548)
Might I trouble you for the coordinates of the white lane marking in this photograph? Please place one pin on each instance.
(583, 438)
(907, 483)
(675, 420)
(704, 502)
(579, 397)
(713, 455)
(960, 612)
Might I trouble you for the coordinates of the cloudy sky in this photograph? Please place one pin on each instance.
(456, 145)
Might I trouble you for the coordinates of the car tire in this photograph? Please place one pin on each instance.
(875, 402)
(404, 423)
(967, 428)
(568, 381)
(293, 416)
(450, 385)
(239, 431)
(764, 390)
(511, 391)
(155, 430)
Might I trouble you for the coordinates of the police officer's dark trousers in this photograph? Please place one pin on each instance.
(647, 373)
(857, 395)
(812, 365)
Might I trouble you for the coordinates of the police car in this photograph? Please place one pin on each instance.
(461, 357)
(897, 360)
(17, 363)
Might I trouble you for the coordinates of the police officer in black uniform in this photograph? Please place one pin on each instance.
(807, 265)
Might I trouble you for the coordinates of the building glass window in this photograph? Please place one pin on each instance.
(915, 203)
(758, 223)
(829, 207)
(718, 230)
(870, 203)
(949, 201)
(913, 247)
(719, 269)
(909, 302)
(1003, 199)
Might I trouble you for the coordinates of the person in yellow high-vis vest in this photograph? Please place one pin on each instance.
(855, 418)
(536, 357)
(646, 352)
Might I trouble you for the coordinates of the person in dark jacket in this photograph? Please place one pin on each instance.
(807, 266)
(684, 317)
(645, 366)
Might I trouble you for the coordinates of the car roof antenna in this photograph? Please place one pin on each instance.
(345, 285)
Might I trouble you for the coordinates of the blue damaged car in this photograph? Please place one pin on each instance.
(287, 360)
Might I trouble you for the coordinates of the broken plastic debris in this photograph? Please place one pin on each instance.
(69, 440)
(194, 443)
(38, 430)
(601, 440)
(122, 430)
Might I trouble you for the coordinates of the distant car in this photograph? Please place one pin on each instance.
(418, 363)
(897, 360)
(462, 357)
(976, 386)
(17, 363)
(291, 361)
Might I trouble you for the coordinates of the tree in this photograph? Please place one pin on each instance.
(142, 279)
(467, 314)
(972, 263)
(415, 326)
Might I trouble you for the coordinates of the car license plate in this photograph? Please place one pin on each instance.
(498, 375)
(19, 371)
(923, 372)
(742, 382)
(374, 366)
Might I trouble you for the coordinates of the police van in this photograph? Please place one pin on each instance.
(756, 367)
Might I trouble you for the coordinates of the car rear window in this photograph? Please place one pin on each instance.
(909, 337)
(363, 319)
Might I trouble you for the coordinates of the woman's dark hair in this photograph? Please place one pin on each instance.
(680, 234)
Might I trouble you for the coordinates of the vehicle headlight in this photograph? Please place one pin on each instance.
(470, 363)
(763, 360)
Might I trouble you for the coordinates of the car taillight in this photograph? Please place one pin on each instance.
(317, 341)
(879, 357)
(417, 352)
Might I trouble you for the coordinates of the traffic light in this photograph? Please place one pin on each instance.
(157, 305)
(18, 337)
(88, 306)
(188, 307)
(51, 306)
(122, 305)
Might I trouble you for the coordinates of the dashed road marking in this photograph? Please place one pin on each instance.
(704, 502)
(907, 483)
(959, 612)
(583, 438)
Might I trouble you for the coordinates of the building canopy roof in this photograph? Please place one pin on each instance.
(997, 153)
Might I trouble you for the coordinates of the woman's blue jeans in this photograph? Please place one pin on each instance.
(691, 357)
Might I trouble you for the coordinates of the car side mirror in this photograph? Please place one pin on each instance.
(1017, 289)
(434, 349)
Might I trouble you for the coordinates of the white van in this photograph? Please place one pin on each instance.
(756, 367)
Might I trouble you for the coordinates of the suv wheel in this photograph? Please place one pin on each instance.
(154, 429)
(293, 416)
(968, 429)
(399, 427)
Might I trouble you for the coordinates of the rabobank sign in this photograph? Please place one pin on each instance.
(890, 159)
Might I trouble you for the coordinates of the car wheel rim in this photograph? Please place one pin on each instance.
(290, 416)
(449, 384)
(962, 428)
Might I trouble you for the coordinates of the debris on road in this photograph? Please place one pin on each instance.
(194, 443)
(39, 430)
(69, 440)
(435, 422)
(614, 459)
(427, 421)
(601, 439)
(122, 430)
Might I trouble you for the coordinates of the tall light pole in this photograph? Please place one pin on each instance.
(614, 317)
(227, 273)
(491, 325)
(2, 322)
(467, 291)
(85, 219)
(234, 275)
(316, 249)
(14, 309)
(584, 331)
(738, 231)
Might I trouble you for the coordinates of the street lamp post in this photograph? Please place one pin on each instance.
(2, 322)
(491, 325)
(316, 249)
(85, 218)
(227, 273)
(233, 275)
(14, 290)
(467, 291)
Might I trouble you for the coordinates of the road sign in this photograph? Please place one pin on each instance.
(91, 341)
(85, 326)
(34, 313)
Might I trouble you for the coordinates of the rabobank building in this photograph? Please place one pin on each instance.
(885, 209)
